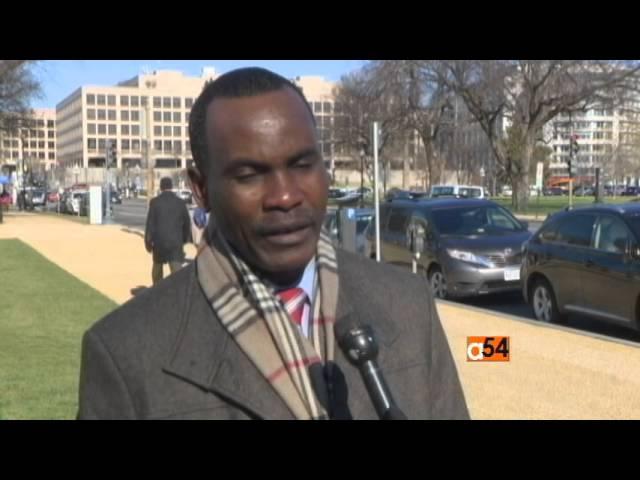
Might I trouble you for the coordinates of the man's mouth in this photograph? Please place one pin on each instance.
(287, 233)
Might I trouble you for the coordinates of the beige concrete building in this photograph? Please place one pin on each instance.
(34, 140)
(152, 107)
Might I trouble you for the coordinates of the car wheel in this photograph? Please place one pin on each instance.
(544, 304)
(438, 283)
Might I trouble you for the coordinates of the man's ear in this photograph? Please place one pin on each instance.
(198, 187)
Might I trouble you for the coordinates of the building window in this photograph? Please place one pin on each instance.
(51, 145)
(188, 102)
(102, 129)
(135, 130)
(157, 145)
(134, 101)
(177, 131)
(14, 154)
(124, 129)
(166, 117)
(157, 117)
(125, 145)
(167, 131)
(51, 134)
(157, 102)
(111, 100)
(40, 133)
(41, 155)
(186, 117)
(176, 102)
(124, 115)
(326, 106)
(166, 102)
(157, 131)
(135, 145)
(101, 99)
(50, 124)
(317, 107)
(33, 144)
(91, 99)
(177, 146)
(135, 116)
(91, 128)
(124, 101)
(40, 144)
(112, 130)
(102, 114)
(52, 156)
(33, 133)
(91, 143)
(111, 115)
(102, 144)
(177, 117)
(91, 114)
(167, 145)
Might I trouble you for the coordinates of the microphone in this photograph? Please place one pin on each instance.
(359, 345)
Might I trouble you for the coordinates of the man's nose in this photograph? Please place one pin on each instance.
(283, 192)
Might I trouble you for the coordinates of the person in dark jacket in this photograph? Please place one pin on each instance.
(249, 329)
(168, 229)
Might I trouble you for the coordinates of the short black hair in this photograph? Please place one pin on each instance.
(166, 183)
(243, 82)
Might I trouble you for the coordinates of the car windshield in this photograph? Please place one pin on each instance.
(474, 221)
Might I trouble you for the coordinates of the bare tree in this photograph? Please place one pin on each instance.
(425, 101)
(530, 93)
(360, 100)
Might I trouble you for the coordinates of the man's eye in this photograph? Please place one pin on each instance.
(245, 174)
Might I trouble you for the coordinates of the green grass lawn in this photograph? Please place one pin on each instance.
(43, 313)
(546, 205)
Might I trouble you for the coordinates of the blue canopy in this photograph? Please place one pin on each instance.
(4, 179)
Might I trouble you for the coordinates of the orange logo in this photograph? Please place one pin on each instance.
(488, 349)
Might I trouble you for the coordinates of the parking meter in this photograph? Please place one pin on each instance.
(416, 244)
(347, 228)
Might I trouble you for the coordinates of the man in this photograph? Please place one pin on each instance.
(247, 331)
(168, 229)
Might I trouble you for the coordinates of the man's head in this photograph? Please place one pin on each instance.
(165, 184)
(259, 169)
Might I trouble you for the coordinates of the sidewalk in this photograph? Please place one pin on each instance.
(110, 258)
(553, 373)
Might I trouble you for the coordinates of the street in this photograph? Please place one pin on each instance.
(132, 213)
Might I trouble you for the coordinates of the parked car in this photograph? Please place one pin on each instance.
(463, 191)
(631, 192)
(584, 191)
(73, 201)
(53, 197)
(470, 246)
(185, 195)
(586, 261)
(554, 192)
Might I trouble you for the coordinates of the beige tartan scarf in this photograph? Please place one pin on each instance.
(258, 322)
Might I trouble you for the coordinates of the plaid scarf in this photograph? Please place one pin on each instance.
(257, 320)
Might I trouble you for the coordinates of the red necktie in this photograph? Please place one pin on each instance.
(294, 300)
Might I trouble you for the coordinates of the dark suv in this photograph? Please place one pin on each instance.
(587, 261)
(469, 246)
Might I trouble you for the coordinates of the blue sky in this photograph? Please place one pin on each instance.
(59, 78)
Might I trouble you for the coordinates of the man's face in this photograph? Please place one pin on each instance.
(267, 182)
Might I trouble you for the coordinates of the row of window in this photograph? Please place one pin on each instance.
(605, 233)
(30, 154)
(135, 144)
(134, 115)
(135, 101)
(31, 144)
(133, 130)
